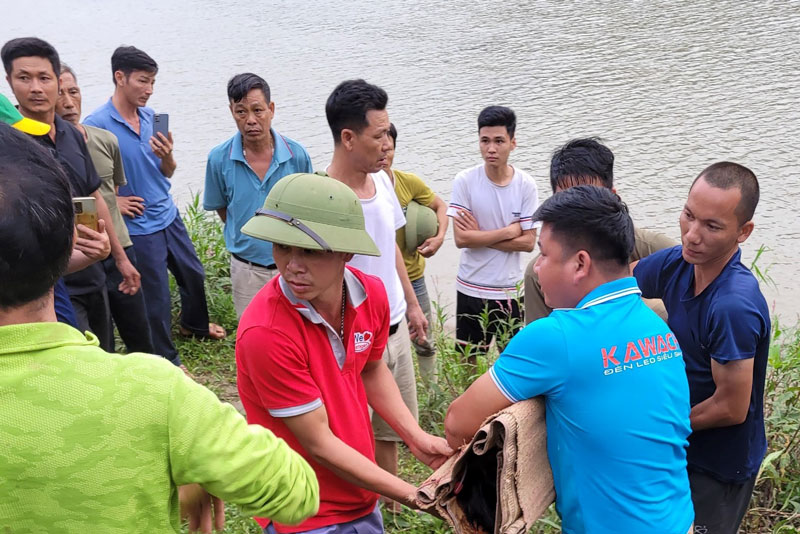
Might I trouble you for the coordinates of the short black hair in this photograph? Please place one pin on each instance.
(583, 161)
(128, 59)
(241, 84)
(393, 134)
(725, 175)
(36, 219)
(498, 116)
(29, 47)
(348, 104)
(590, 218)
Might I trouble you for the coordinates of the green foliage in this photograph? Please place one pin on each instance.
(205, 231)
(762, 274)
(776, 503)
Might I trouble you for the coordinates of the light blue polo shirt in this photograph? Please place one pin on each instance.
(231, 183)
(142, 168)
(617, 408)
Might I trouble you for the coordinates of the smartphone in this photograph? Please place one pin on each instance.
(85, 211)
(161, 124)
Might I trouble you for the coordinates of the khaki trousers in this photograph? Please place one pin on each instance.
(247, 280)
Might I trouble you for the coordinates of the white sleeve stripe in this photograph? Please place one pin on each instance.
(507, 394)
(296, 410)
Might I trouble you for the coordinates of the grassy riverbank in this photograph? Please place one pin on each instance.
(774, 509)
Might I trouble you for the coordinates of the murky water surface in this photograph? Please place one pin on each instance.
(671, 87)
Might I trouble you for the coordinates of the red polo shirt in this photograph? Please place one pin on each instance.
(290, 362)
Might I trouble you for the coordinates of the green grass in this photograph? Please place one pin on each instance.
(776, 503)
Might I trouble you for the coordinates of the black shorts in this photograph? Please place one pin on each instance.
(719, 507)
(479, 320)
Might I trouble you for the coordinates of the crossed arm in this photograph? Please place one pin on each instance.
(511, 238)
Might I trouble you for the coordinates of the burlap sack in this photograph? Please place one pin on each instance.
(524, 480)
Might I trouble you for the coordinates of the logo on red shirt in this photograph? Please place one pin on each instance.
(363, 340)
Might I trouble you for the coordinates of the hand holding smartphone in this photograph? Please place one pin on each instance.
(161, 141)
(85, 211)
(161, 125)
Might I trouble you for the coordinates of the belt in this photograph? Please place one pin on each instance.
(254, 264)
(393, 328)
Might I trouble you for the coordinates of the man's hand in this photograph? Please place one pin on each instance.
(417, 323)
(131, 206)
(131, 279)
(465, 221)
(515, 229)
(430, 450)
(430, 246)
(203, 510)
(161, 145)
(94, 245)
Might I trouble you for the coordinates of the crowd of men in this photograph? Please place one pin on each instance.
(652, 426)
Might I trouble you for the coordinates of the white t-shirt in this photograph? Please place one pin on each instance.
(485, 272)
(383, 216)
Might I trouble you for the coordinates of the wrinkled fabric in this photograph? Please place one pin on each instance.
(516, 439)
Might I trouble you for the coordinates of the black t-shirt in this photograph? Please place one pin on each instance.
(70, 149)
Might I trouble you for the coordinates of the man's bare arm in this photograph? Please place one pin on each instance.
(89, 247)
(431, 245)
(522, 243)
(314, 434)
(417, 322)
(131, 279)
(384, 397)
(466, 414)
(162, 146)
(468, 234)
(223, 214)
(731, 399)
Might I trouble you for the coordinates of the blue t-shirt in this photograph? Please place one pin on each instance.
(728, 321)
(617, 408)
(232, 184)
(65, 312)
(142, 168)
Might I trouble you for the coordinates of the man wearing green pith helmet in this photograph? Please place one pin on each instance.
(309, 354)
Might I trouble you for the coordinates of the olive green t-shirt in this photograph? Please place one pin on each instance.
(104, 151)
(408, 187)
(98, 442)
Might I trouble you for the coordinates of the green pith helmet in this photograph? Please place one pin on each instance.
(421, 223)
(312, 211)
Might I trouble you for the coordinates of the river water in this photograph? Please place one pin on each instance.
(670, 86)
